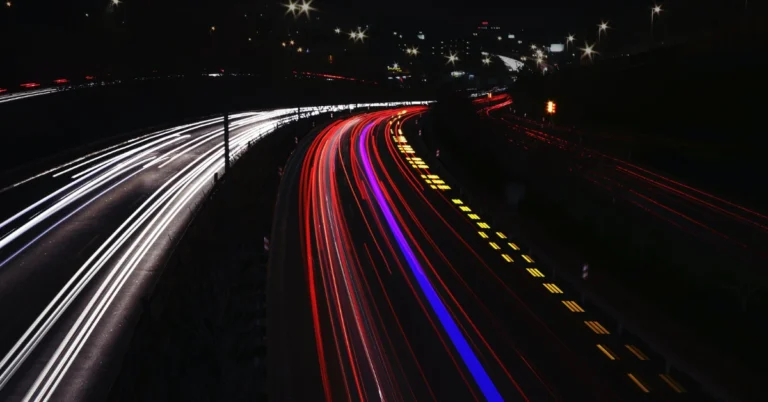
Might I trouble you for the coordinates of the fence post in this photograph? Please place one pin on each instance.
(226, 143)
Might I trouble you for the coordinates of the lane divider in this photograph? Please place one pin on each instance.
(436, 183)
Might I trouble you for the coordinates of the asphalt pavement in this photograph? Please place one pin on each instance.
(385, 284)
(81, 244)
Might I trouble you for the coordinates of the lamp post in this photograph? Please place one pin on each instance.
(655, 10)
(602, 27)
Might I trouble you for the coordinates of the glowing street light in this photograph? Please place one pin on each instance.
(413, 51)
(213, 28)
(655, 10)
(292, 7)
(539, 54)
(115, 3)
(452, 58)
(602, 27)
(299, 50)
(588, 51)
(395, 65)
(337, 30)
(359, 35)
(568, 41)
(306, 7)
(283, 44)
(487, 61)
(533, 47)
(8, 4)
(292, 42)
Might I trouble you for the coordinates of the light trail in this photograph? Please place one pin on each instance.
(339, 291)
(470, 358)
(126, 248)
(26, 94)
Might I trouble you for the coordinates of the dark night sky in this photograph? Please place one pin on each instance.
(36, 34)
(544, 17)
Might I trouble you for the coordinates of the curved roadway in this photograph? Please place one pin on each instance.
(82, 243)
(385, 284)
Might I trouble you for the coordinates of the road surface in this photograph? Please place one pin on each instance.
(385, 284)
(81, 245)
(725, 226)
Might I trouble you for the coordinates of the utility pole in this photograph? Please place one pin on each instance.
(226, 143)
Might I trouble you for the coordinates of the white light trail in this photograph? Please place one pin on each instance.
(127, 246)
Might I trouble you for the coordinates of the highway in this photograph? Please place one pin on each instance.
(385, 284)
(81, 244)
(14, 96)
(725, 225)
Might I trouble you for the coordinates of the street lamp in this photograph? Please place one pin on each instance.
(452, 58)
(486, 61)
(602, 27)
(655, 10)
(292, 7)
(305, 7)
(115, 3)
(359, 35)
(588, 51)
(568, 41)
(337, 30)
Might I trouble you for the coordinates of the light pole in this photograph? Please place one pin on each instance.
(655, 10)
(602, 27)
(588, 51)
(568, 41)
